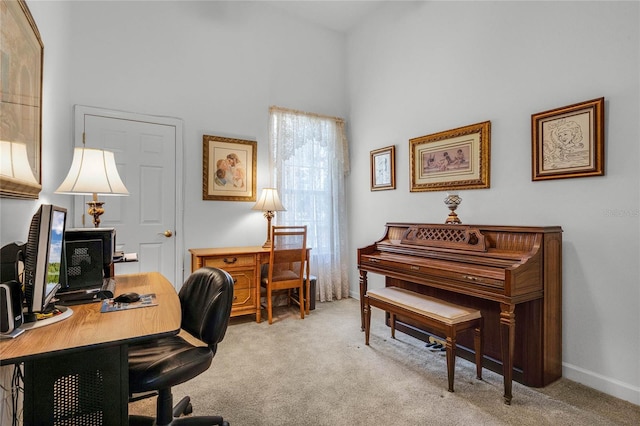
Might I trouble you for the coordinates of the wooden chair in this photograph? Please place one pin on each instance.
(287, 261)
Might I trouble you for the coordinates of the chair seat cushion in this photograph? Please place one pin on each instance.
(166, 362)
(287, 275)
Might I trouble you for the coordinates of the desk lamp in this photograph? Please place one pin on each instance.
(269, 203)
(93, 172)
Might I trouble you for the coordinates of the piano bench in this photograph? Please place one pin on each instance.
(438, 316)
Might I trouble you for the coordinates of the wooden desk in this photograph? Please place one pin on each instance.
(244, 265)
(86, 346)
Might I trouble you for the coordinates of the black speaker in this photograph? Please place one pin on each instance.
(10, 306)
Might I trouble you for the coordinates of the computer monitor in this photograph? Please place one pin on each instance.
(43, 266)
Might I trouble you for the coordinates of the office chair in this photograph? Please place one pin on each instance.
(287, 260)
(205, 299)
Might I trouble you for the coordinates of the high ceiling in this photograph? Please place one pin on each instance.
(336, 15)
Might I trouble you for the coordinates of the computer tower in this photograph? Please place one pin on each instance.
(84, 264)
(106, 235)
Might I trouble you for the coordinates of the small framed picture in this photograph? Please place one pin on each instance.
(569, 141)
(383, 168)
(228, 169)
(451, 160)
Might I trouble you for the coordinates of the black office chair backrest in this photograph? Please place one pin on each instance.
(206, 299)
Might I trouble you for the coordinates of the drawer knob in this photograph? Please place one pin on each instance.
(229, 261)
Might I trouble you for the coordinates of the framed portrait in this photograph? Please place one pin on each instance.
(383, 168)
(568, 142)
(21, 54)
(451, 160)
(229, 169)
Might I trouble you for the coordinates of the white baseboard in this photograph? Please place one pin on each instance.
(616, 388)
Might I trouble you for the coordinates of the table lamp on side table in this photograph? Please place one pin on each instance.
(269, 203)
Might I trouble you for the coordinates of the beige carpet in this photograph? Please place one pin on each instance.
(317, 371)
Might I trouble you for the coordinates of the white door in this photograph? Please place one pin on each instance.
(148, 152)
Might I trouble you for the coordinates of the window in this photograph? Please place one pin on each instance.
(310, 161)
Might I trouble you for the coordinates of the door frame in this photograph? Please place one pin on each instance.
(81, 110)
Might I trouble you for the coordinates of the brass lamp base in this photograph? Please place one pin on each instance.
(268, 215)
(95, 210)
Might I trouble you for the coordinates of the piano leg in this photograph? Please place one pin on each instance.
(450, 345)
(507, 335)
(363, 291)
(367, 322)
(478, 346)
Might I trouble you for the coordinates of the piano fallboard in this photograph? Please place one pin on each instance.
(513, 274)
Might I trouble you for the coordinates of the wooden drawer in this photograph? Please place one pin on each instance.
(243, 297)
(230, 261)
(242, 279)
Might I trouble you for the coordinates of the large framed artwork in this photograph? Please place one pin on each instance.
(383, 168)
(451, 160)
(229, 169)
(21, 52)
(568, 142)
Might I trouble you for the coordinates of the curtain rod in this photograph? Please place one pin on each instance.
(295, 111)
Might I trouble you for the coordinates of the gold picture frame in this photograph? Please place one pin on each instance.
(383, 168)
(228, 169)
(451, 160)
(568, 142)
(21, 99)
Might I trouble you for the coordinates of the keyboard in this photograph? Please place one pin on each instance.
(88, 295)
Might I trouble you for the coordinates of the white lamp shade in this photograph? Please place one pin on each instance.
(14, 163)
(269, 201)
(93, 171)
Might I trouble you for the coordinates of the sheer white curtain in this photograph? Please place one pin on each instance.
(310, 159)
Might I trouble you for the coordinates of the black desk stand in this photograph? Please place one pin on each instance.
(77, 388)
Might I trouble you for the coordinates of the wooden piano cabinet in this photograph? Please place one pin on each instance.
(513, 275)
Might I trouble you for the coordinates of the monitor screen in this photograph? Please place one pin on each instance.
(54, 260)
(43, 266)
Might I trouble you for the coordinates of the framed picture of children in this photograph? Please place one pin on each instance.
(228, 169)
(383, 168)
(451, 160)
(568, 141)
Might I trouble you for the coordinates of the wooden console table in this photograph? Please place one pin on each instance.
(244, 264)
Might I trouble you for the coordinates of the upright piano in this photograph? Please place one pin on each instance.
(512, 274)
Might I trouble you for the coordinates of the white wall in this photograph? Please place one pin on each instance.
(216, 65)
(417, 68)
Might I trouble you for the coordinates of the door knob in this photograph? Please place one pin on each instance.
(167, 233)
